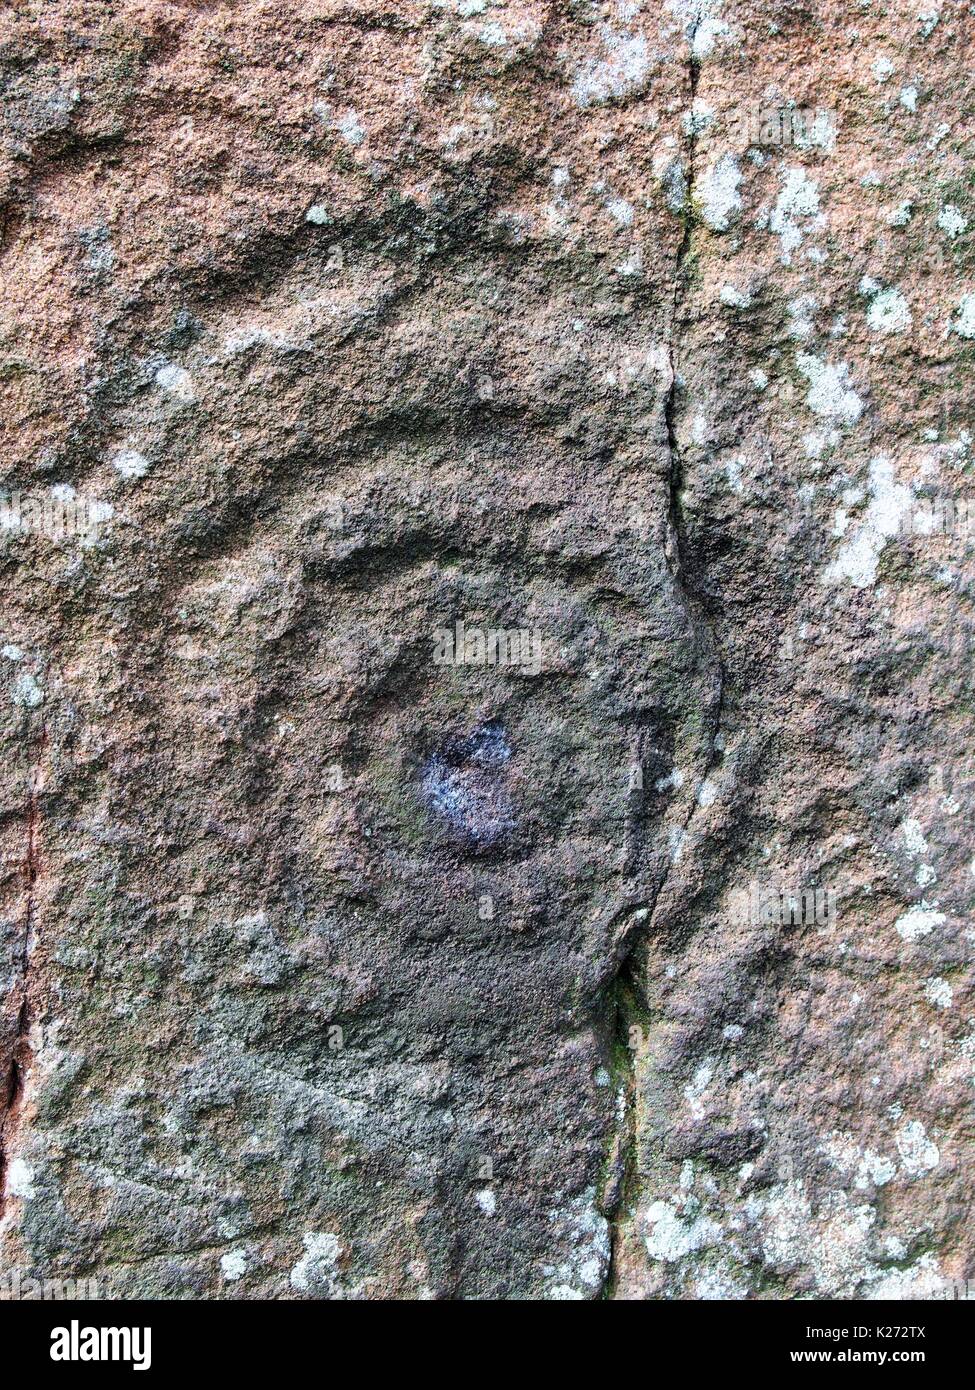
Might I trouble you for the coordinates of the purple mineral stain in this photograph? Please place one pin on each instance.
(465, 784)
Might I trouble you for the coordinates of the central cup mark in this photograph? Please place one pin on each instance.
(465, 784)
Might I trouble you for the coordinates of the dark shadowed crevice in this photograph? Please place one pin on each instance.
(629, 1008)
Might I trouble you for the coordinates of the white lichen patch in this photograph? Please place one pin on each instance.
(673, 1235)
(631, 265)
(733, 298)
(584, 1231)
(919, 920)
(939, 133)
(247, 336)
(234, 1265)
(623, 69)
(797, 203)
(98, 513)
(833, 1242)
(316, 1273)
(673, 780)
(868, 1168)
(964, 323)
(25, 691)
(716, 193)
(952, 221)
(20, 1180)
(493, 34)
(695, 1090)
(966, 1051)
(699, 118)
(486, 1200)
(130, 464)
(889, 312)
(913, 835)
(938, 992)
(176, 382)
(708, 33)
(928, 20)
(859, 556)
(517, 35)
(707, 793)
(901, 214)
(620, 210)
(830, 393)
(716, 1285)
(922, 1279)
(732, 471)
(801, 313)
(349, 126)
(918, 1153)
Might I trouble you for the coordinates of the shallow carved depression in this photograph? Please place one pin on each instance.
(465, 784)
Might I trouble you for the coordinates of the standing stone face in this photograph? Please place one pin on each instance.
(421, 671)
(466, 540)
(465, 681)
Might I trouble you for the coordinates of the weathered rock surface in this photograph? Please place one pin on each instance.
(350, 953)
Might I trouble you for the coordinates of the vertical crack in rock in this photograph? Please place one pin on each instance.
(17, 1064)
(628, 1003)
(699, 605)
